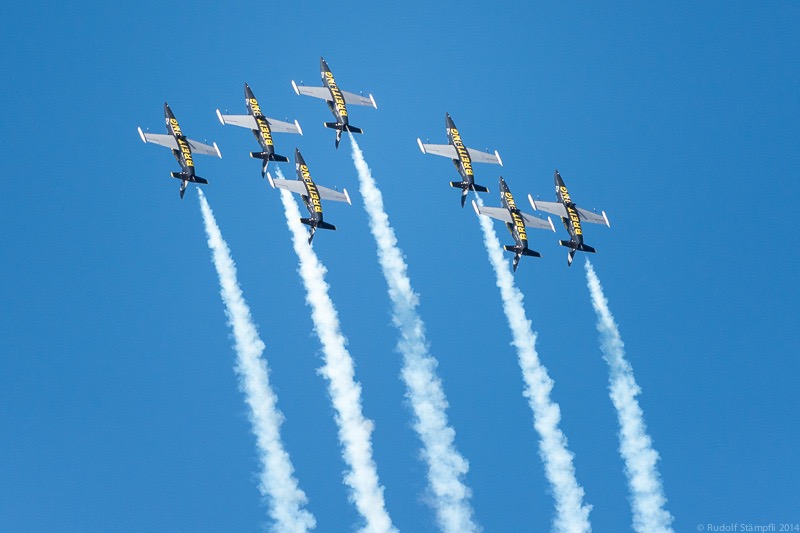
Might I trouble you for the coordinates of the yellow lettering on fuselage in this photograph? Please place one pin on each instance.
(311, 188)
(565, 195)
(520, 224)
(461, 150)
(338, 98)
(575, 219)
(186, 152)
(175, 128)
(510, 201)
(263, 127)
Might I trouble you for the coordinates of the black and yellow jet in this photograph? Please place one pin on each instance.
(262, 128)
(182, 148)
(337, 100)
(311, 193)
(572, 216)
(516, 222)
(462, 157)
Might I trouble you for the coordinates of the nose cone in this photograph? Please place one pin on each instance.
(322, 64)
(168, 111)
(298, 158)
(448, 121)
(557, 179)
(247, 92)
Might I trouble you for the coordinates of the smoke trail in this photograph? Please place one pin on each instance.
(572, 514)
(354, 430)
(635, 447)
(446, 467)
(277, 483)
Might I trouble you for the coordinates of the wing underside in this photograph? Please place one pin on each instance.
(554, 208)
(200, 148)
(482, 157)
(444, 150)
(243, 121)
(297, 187)
(161, 139)
(284, 127)
(594, 218)
(316, 92)
(358, 99)
(499, 213)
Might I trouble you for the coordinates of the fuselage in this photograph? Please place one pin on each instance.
(464, 162)
(263, 134)
(311, 198)
(517, 226)
(184, 152)
(336, 103)
(572, 221)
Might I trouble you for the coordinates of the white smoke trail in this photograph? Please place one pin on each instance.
(572, 515)
(277, 483)
(446, 467)
(354, 430)
(635, 447)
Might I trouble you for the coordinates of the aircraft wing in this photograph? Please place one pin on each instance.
(536, 222)
(330, 194)
(317, 92)
(295, 186)
(444, 150)
(554, 208)
(589, 216)
(500, 213)
(284, 127)
(357, 99)
(200, 148)
(161, 139)
(482, 157)
(243, 121)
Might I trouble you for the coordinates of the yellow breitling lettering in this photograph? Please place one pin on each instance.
(338, 99)
(463, 155)
(254, 106)
(175, 128)
(520, 225)
(264, 129)
(187, 153)
(565, 195)
(312, 189)
(510, 200)
(576, 220)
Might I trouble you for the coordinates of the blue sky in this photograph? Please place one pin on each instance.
(119, 406)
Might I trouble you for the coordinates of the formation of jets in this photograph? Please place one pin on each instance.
(517, 222)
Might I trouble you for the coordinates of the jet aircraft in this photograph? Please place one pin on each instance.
(462, 157)
(262, 128)
(572, 216)
(182, 148)
(337, 100)
(311, 193)
(516, 222)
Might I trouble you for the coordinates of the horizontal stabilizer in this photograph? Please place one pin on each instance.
(479, 188)
(343, 127)
(581, 247)
(198, 179)
(523, 251)
(314, 224)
